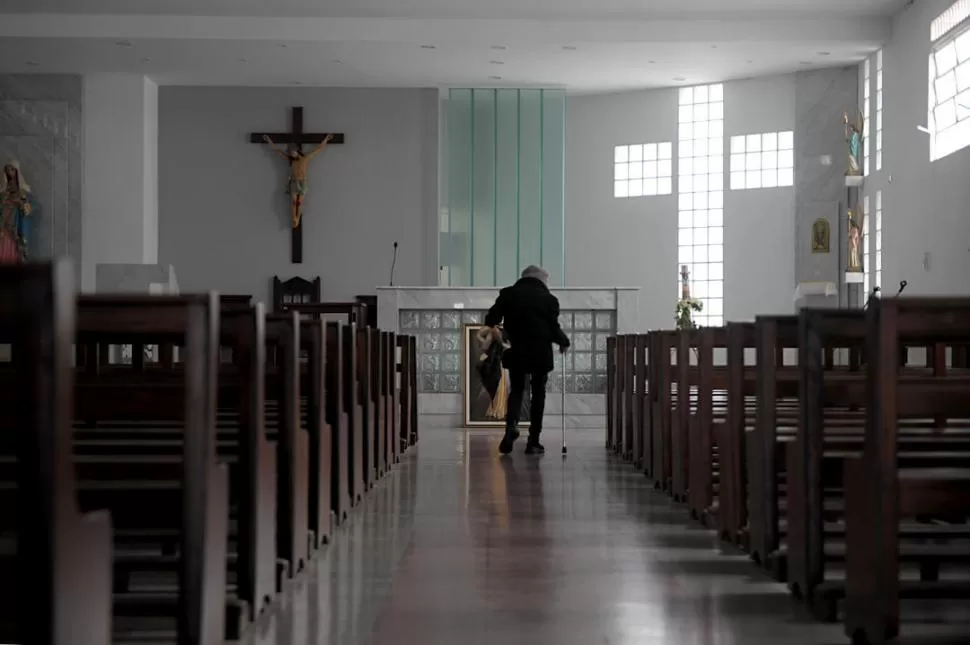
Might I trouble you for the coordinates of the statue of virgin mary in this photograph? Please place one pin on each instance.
(16, 206)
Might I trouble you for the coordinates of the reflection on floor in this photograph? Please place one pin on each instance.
(461, 547)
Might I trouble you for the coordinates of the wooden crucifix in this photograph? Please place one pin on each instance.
(294, 141)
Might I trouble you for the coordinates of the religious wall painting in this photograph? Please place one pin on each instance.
(853, 140)
(17, 209)
(820, 235)
(297, 183)
(480, 409)
(854, 257)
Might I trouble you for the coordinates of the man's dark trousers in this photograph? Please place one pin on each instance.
(538, 402)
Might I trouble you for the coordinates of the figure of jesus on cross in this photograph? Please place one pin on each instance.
(298, 173)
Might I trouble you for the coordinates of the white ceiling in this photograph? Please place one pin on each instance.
(583, 46)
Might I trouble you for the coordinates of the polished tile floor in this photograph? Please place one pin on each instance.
(461, 547)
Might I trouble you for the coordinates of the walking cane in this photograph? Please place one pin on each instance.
(562, 410)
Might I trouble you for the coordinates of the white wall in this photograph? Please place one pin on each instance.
(925, 205)
(633, 242)
(224, 218)
(120, 183)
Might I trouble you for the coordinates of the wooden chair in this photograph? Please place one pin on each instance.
(294, 291)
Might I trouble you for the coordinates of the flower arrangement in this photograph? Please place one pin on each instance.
(684, 313)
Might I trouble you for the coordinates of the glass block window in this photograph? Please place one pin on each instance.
(866, 247)
(763, 160)
(700, 187)
(879, 110)
(866, 111)
(878, 245)
(439, 340)
(643, 170)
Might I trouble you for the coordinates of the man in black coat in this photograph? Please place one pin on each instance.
(530, 316)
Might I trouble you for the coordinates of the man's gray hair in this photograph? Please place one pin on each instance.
(532, 271)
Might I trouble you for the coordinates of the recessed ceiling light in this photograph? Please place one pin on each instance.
(499, 47)
(123, 43)
(804, 62)
(651, 62)
(32, 63)
(428, 47)
(713, 46)
(569, 48)
(282, 45)
(497, 62)
(495, 78)
(679, 78)
(296, 82)
(825, 53)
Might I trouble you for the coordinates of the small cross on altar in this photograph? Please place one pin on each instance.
(295, 140)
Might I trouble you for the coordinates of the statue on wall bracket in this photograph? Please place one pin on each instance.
(856, 221)
(17, 205)
(853, 139)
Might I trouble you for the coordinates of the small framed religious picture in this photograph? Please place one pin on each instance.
(820, 236)
(480, 408)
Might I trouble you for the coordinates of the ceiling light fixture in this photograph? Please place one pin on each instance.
(499, 47)
(713, 46)
(495, 78)
(123, 43)
(569, 48)
(282, 45)
(679, 79)
(296, 82)
(825, 53)
(428, 47)
(651, 62)
(497, 62)
(804, 62)
(32, 63)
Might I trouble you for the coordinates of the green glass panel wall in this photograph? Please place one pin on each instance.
(503, 199)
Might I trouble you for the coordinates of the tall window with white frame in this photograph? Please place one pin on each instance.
(878, 227)
(948, 118)
(700, 180)
(763, 160)
(879, 110)
(643, 170)
(866, 245)
(867, 112)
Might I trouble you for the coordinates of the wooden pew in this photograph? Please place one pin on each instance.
(293, 441)
(641, 402)
(880, 491)
(662, 402)
(391, 396)
(409, 389)
(188, 498)
(711, 417)
(776, 419)
(338, 418)
(686, 344)
(55, 563)
(353, 408)
(241, 441)
(320, 519)
(732, 509)
(612, 418)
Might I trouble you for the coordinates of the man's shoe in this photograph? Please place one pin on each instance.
(535, 449)
(506, 446)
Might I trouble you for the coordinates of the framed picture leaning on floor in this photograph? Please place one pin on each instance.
(480, 410)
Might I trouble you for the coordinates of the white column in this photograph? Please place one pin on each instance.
(120, 203)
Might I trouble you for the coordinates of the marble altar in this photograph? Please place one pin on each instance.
(436, 316)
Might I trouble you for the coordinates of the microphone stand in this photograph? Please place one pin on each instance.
(393, 264)
(902, 287)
